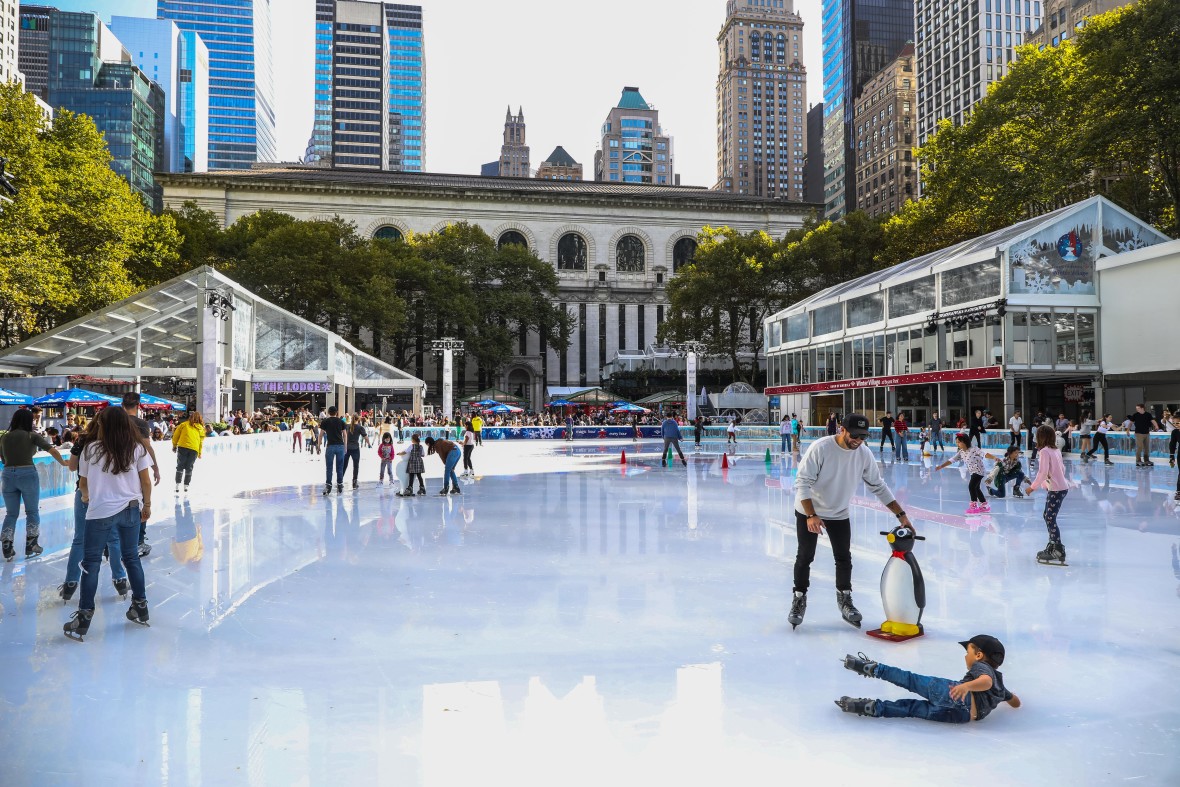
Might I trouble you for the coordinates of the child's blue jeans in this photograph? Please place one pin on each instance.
(937, 705)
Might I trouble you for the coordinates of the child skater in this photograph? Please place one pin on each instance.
(1051, 477)
(1008, 469)
(385, 454)
(971, 699)
(415, 466)
(972, 457)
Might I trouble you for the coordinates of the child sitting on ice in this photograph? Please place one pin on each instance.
(1007, 469)
(970, 699)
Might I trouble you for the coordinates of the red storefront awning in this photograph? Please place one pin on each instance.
(948, 376)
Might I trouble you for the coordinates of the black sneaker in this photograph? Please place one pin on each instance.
(861, 706)
(78, 624)
(861, 664)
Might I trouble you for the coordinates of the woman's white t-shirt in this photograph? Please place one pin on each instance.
(109, 493)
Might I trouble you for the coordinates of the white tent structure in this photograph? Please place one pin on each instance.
(205, 326)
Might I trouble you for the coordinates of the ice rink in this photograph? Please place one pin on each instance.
(570, 620)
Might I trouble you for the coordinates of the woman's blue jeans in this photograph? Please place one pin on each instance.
(901, 449)
(21, 483)
(937, 705)
(449, 476)
(98, 532)
(78, 547)
(786, 443)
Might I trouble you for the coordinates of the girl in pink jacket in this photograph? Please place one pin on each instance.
(1051, 477)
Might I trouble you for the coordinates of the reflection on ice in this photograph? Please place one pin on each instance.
(573, 620)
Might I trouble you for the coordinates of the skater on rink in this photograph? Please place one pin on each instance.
(116, 485)
(449, 453)
(972, 457)
(670, 431)
(828, 475)
(21, 481)
(415, 467)
(1050, 477)
(333, 429)
(385, 454)
(970, 699)
(78, 545)
(187, 441)
(470, 440)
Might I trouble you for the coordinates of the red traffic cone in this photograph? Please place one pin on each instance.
(725, 461)
(622, 457)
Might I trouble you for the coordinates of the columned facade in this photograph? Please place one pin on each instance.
(614, 246)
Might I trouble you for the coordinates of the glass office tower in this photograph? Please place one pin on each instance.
(241, 85)
(860, 38)
(368, 86)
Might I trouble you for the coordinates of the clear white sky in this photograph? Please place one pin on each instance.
(565, 63)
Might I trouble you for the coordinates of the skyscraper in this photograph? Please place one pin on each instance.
(883, 139)
(241, 84)
(369, 86)
(514, 153)
(860, 37)
(9, 71)
(959, 55)
(634, 147)
(1063, 18)
(90, 72)
(178, 62)
(813, 170)
(559, 166)
(761, 100)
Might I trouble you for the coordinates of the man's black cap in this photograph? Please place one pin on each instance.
(856, 425)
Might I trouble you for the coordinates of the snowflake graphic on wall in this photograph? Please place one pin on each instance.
(1038, 283)
(1024, 251)
(1130, 244)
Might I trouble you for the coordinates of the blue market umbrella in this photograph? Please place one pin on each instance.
(627, 407)
(79, 397)
(561, 403)
(485, 403)
(150, 402)
(505, 408)
(12, 397)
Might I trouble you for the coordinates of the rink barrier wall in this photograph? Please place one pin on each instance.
(57, 480)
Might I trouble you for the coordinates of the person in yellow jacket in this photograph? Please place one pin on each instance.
(186, 444)
(477, 427)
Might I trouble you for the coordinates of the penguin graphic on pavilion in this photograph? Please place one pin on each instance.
(903, 592)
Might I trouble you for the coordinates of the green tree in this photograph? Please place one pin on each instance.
(733, 283)
(76, 237)
(202, 238)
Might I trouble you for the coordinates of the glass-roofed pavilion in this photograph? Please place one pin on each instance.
(240, 349)
(1004, 321)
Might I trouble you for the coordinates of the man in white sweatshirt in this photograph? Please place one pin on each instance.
(828, 475)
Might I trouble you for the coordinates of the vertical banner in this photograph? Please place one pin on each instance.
(447, 385)
(691, 398)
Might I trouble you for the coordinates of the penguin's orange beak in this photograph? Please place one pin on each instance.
(890, 538)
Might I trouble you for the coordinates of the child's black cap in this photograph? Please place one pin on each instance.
(989, 646)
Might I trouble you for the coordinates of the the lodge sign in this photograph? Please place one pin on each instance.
(291, 386)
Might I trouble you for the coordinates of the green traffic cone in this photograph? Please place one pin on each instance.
(767, 458)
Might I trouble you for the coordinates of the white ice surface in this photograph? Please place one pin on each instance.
(572, 621)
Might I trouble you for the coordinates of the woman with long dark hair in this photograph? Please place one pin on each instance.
(116, 483)
(21, 482)
(78, 546)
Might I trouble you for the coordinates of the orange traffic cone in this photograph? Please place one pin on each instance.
(622, 457)
(725, 461)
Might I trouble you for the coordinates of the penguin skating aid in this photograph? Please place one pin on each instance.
(903, 591)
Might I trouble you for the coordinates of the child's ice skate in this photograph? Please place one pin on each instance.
(66, 591)
(861, 706)
(1052, 555)
(861, 665)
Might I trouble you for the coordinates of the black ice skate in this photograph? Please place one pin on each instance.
(66, 591)
(340, 489)
(861, 706)
(327, 489)
(9, 552)
(455, 491)
(145, 548)
(847, 610)
(798, 610)
(78, 624)
(1052, 555)
(138, 612)
(861, 665)
(32, 548)
(122, 587)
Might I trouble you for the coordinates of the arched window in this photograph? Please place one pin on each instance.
(629, 257)
(683, 253)
(387, 233)
(571, 252)
(512, 237)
